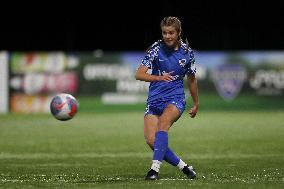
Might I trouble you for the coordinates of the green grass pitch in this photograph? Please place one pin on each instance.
(229, 149)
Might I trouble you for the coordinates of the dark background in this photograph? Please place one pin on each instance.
(134, 25)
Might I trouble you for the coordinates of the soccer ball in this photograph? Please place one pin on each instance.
(63, 106)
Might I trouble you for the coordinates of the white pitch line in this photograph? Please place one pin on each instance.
(173, 179)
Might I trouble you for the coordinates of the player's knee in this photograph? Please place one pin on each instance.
(164, 125)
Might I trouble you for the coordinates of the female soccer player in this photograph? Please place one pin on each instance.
(170, 60)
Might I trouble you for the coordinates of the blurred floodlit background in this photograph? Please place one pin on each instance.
(93, 55)
(30, 79)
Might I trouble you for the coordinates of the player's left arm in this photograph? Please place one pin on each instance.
(193, 89)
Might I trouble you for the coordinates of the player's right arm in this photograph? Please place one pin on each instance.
(142, 75)
(146, 64)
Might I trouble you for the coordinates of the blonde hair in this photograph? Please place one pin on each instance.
(172, 21)
(176, 23)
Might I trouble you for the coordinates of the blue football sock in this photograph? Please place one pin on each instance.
(160, 145)
(171, 157)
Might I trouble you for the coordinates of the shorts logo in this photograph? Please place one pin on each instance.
(228, 80)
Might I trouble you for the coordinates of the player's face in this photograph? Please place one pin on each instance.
(170, 36)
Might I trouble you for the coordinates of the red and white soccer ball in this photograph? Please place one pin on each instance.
(63, 106)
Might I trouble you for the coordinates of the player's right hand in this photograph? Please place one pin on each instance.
(167, 77)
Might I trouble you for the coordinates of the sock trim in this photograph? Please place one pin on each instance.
(156, 165)
(181, 164)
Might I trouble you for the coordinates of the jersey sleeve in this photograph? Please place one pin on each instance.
(151, 55)
(191, 68)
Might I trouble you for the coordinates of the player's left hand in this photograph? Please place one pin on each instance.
(193, 111)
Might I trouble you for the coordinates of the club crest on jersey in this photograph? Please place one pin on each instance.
(228, 80)
(182, 62)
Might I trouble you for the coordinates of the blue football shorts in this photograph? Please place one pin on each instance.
(158, 107)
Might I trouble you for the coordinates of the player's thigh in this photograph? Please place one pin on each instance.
(168, 117)
(150, 127)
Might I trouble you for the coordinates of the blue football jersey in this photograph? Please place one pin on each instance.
(161, 60)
